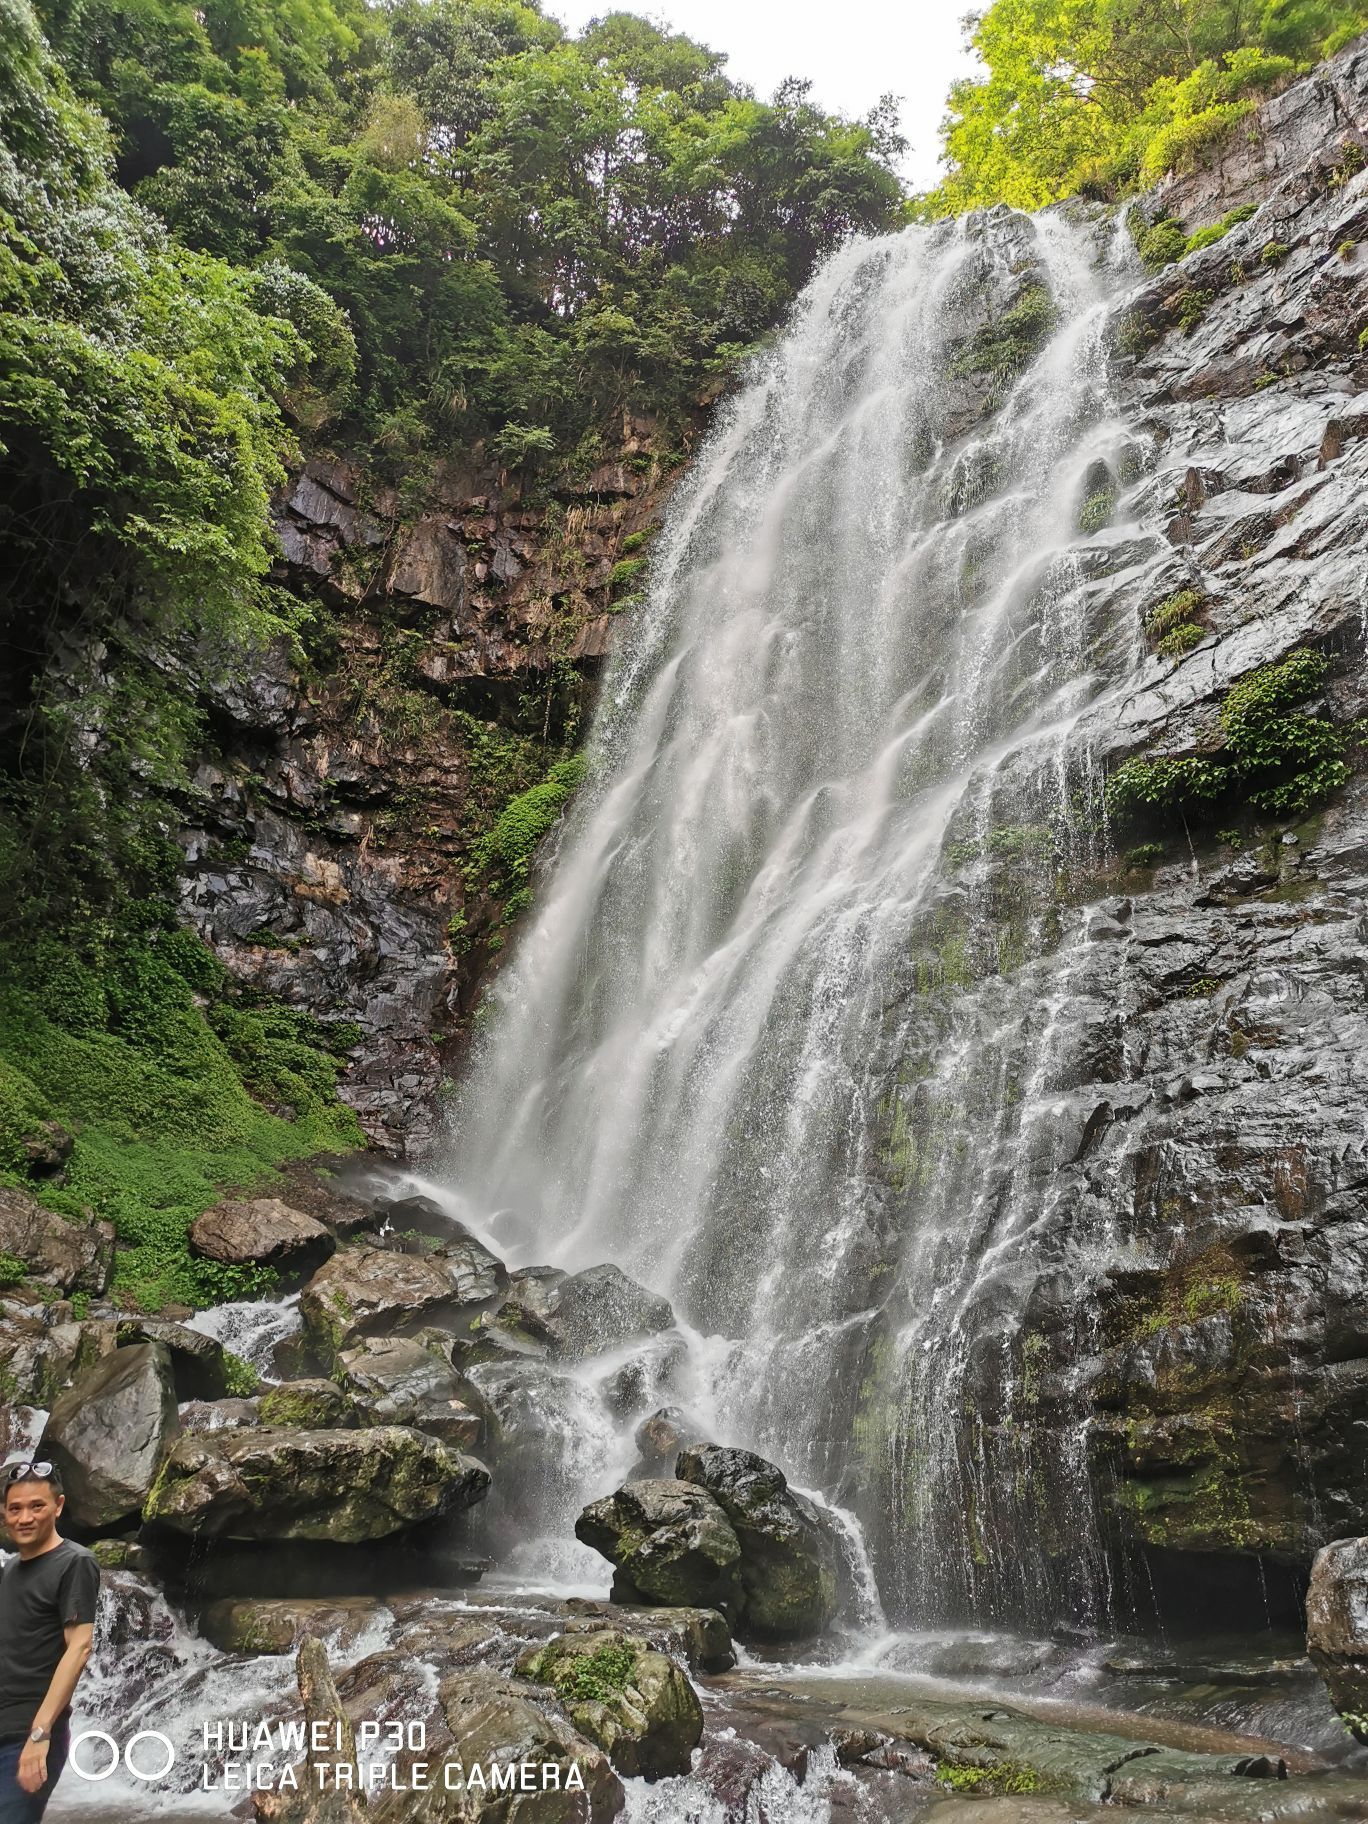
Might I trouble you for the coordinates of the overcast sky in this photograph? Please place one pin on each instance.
(852, 50)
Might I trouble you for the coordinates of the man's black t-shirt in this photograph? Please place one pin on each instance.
(39, 1599)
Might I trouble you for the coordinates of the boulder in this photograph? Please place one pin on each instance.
(495, 1724)
(218, 1415)
(698, 1637)
(108, 1433)
(401, 1380)
(476, 1275)
(203, 1368)
(534, 1288)
(419, 1216)
(55, 1250)
(600, 1309)
(1337, 1628)
(659, 1439)
(38, 1358)
(278, 1625)
(634, 1702)
(366, 1289)
(670, 1542)
(790, 1556)
(344, 1487)
(261, 1232)
(307, 1405)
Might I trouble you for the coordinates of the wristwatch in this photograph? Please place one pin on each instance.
(40, 1735)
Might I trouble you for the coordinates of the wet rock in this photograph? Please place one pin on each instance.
(279, 1625)
(410, 1381)
(362, 1290)
(218, 1415)
(56, 1250)
(38, 1358)
(476, 1274)
(322, 1795)
(418, 1215)
(203, 1368)
(700, 1637)
(1337, 1628)
(534, 1288)
(790, 1558)
(495, 1723)
(107, 1434)
(659, 1439)
(338, 1486)
(671, 1542)
(600, 1309)
(312, 1404)
(635, 1703)
(262, 1232)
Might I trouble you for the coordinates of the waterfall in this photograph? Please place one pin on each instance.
(789, 1036)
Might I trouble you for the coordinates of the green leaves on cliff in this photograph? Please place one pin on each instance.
(1099, 96)
(1275, 757)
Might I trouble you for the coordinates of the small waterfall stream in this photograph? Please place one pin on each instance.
(787, 1035)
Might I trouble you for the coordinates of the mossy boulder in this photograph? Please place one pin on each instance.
(634, 1702)
(203, 1369)
(308, 1405)
(363, 1290)
(499, 1728)
(1337, 1628)
(279, 1624)
(671, 1543)
(790, 1566)
(344, 1487)
(402, 1380)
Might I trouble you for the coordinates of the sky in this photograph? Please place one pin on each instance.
(853, 51)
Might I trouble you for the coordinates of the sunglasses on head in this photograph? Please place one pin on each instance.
(28, 1472)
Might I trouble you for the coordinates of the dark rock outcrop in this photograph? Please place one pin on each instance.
(1337, 1628)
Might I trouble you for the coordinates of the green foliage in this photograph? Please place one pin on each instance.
(508, 848)
(157, 1091)
(1276, 758)
(596, 1677)
(1217, 231)
(1096, 511)
(12, 1270)
(1003, 348)
(1172, 612)
(625, 571)
(1160, 243)
(1274, 253)
(1105, 96)
(1189, 307)
(240, 1379)
(1180, 639)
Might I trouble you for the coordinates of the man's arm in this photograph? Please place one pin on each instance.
(33, 1758)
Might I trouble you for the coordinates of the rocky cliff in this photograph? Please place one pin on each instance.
(453, 634)
(1183, 1347)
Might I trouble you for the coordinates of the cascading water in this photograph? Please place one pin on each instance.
(785, 1038)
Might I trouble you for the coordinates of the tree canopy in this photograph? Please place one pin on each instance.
(1101, 96)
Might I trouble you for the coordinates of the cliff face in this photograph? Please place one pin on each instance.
(1182, 1351)
(452, 649)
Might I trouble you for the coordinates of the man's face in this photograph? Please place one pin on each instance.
(30, 1512)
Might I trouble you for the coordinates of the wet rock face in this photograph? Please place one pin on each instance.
(342, 1487)
(671, 1543)
(636, 1704)
(361, 1291)
(108, 1432)
(331, 817)
(1337, 1628)
(1164, 1357)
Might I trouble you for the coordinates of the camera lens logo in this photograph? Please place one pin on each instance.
(105, 1744)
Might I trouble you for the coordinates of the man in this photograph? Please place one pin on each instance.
(47, 1618)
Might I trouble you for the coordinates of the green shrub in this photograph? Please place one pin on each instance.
(1161, 243)
(1172, 612)
(1189, 307)
(1278, 759)
(1274, 253)
(12, 1269)
(1006, 347)
(1180, 639)
(625, 570)
(1217, 231)
(1097, 510)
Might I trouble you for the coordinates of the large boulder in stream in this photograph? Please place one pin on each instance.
(728, 1533)
(505, 1760)
(600, 1309)
(634, 1702)
(1337, 1628)
(107, 1434)
(409, 1380)
(671, 1543)
(361, 1291)
(345, 1487)
(790, 1552)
